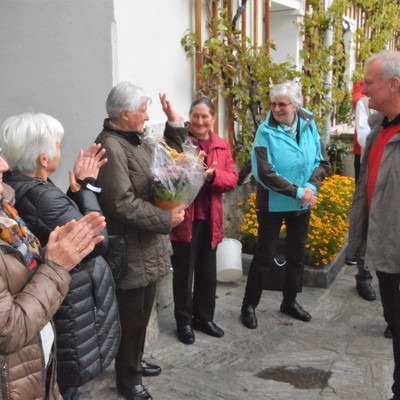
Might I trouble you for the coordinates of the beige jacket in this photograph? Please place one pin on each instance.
(26, 306)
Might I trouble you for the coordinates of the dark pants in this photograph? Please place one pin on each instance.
(390, 297)
(357, 166)
(135, 307)
(363, 275)
(69, 393)
(268, 238)
(196, 258)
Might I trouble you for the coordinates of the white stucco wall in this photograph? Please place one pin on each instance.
(62, 57)
(149, 50)
(286, 36)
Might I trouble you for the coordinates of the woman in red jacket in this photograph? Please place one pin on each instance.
(195, 240)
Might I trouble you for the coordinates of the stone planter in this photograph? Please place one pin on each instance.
(313, 277)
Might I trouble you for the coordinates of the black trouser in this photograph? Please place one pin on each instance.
(199, 258)
(135, 307)
(69, 393)
(363, 275)
(390, 297)
(269, 226)
(357, 166)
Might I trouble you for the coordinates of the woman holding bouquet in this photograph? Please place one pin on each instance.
(195, 240)
(128, 205)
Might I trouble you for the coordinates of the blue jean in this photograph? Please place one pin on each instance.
(270, 223)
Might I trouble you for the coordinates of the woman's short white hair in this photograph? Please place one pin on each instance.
(291, 90)
(25, 136)
(125, 97)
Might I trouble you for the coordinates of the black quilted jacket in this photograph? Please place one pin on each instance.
(87, 323)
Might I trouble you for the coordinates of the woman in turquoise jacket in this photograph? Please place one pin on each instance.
(289, 165)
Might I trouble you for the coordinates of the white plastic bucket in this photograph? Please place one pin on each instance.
(229, 260)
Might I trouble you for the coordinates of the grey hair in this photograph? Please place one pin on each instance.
(288, 89)
(25, 136)
(125, 97)
(203, 100)
(390, 63)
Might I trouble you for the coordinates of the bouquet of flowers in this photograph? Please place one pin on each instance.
(177, 177)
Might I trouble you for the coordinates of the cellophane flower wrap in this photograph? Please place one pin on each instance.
(177, 177)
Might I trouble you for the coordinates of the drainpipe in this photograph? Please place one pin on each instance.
(328, 78)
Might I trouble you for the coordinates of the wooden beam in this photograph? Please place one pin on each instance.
(267, 24)
(244, 29)
(198, 55)
(255, 26)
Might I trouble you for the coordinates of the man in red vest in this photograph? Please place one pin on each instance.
(363, 277)
(375, 215)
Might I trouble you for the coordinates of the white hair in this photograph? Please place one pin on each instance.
(288, 89)
(389, 63)
(125, 97)
(25, 136)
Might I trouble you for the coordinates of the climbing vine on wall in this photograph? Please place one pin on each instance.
(243, 73)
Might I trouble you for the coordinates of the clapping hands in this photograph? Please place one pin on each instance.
(87, 165)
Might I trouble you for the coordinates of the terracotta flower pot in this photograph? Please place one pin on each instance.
(165, 204)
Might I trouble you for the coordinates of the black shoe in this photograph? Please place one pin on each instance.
(185, 334)
(209, 327)
(366, 291)
(137, 392)
(150, 369)
(349, 261)
(294, 309)
(249, 318)
(388, 333)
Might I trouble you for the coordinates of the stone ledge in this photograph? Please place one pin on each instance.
(313, 277)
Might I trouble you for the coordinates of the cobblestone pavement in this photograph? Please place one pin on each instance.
(340, 355)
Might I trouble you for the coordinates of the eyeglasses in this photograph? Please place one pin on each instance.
(280, 105)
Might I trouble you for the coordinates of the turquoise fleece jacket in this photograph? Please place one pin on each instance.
(283, 167)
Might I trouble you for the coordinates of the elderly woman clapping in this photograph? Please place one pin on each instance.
(33, 283)
(87, 326)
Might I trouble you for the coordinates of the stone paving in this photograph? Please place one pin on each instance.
(340, 355)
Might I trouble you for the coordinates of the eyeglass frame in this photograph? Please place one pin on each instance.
(281, 104)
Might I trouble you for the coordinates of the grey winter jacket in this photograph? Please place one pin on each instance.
(127, 203)
(375, 235)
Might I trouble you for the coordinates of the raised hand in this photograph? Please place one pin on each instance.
(169, 111)
(87, 165)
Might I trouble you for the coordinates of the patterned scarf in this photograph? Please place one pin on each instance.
(14, 232)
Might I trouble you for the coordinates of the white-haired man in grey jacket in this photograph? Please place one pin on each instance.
(375, 217)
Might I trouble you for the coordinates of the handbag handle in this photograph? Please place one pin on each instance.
(278, 263)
